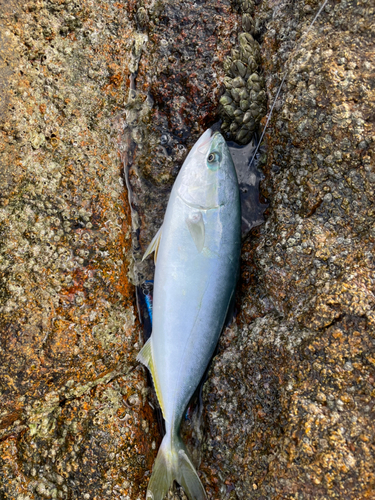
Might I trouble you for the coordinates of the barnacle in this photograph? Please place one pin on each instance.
(248, 23)
(142, 17)
(245, 6)
(243, 104)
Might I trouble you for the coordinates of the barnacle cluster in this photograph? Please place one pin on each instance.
(246, 7)
(244, 102)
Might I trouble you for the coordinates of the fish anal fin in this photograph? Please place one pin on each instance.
(196, 228)
(145, 357)
(145, 354)
(154, 245)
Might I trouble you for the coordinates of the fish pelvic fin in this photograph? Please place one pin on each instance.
(173, 464)
(154, 246)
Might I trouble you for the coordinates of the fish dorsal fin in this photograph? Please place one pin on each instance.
(145, 355)
(195, 224)
(154, 245)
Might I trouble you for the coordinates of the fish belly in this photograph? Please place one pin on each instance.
(192, 291)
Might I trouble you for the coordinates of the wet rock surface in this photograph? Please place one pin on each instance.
(90, 88)
(73, 410)
(289, 405)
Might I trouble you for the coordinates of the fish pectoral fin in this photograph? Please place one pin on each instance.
(145, 355)
(154, 245)
(195, 224)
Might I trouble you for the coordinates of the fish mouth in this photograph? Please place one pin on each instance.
(204, 142)
(208, 138)
(197, 187)
(217, 139)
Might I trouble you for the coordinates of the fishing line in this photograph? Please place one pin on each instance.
(283, 80)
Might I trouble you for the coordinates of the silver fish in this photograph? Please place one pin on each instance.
(197, 252)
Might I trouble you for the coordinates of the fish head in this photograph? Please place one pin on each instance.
(208, 178)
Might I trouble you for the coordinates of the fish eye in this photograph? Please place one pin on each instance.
(212, 157)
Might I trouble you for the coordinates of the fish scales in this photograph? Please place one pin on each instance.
(188, 280)
(198, 249)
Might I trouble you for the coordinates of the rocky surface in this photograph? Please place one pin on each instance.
(73, 411)
(88, 88)
(290, 401)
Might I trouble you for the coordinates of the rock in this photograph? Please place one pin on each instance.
(289, 403)
(68, 330)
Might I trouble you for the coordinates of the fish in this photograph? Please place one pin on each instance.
(196, 253)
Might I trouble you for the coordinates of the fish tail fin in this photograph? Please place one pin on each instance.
(162, 473)
(174, 464)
